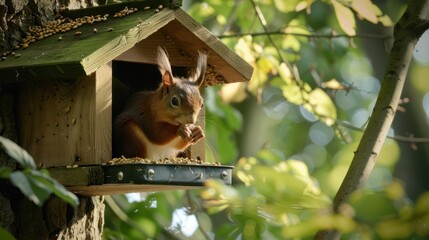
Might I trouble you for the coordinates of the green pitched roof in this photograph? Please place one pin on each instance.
(83, 50)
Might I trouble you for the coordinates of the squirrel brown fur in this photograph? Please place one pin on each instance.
(159, 124)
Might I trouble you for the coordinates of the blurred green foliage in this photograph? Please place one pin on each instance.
(36, 185)
(290, 132)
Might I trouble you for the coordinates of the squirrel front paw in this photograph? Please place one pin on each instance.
(190, 133)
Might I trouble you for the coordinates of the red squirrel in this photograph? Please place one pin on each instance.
(160, 124)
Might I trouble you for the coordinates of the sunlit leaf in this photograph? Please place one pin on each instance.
(285, 73)
(321, 105)
(345, 18)
(17, 153)
(291, 42)
(298, 167)
(304, 4)
(294, 94)
(367, 10)
(245, 178)
(333, 84)
(243, 49)
(385, 20)
(319, 222)
(286, 6)
(258, 80)
(221, 19)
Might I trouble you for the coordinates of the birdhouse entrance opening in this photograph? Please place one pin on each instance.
(130, 77)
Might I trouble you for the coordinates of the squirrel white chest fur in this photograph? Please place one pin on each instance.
(155, 151)
(161, 123)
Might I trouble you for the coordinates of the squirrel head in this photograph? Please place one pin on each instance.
(181, 97)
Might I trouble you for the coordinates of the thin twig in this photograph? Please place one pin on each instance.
(308, 35)
(396, 137)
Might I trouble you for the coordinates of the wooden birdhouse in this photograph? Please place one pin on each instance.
(75, 74)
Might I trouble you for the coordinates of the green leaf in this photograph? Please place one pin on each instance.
(46, 182)
(5, 235)
(319, 222)
(20, 180)
(294, 94)
(321, 105)
(345, 18)
(37, 187)
(17, 153)
(5, 172)
(386, 21)
(381, 206)
(287, 6)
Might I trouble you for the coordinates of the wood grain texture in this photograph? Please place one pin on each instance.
(80, 176)
(80, 55)
(63, 123)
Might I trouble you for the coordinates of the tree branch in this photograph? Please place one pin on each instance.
(384, 109)
(423, 26)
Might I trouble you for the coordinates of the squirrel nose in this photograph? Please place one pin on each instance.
(191, 119)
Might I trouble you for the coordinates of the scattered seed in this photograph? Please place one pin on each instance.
(60, 38)
(94, 30)
(160, 7)
(110, 29)
(77, 33)
(146, 8)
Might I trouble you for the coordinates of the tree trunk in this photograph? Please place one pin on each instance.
(407, 31)
(18, 215)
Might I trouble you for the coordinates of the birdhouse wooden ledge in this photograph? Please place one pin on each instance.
(73, 76)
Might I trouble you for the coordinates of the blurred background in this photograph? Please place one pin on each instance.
(291, 131)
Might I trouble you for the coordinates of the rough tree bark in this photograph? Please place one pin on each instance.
(407, 31)
(55, 220)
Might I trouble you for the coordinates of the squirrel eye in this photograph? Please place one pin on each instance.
(175, 102)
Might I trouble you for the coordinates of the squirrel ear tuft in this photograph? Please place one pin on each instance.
(163, 62)
(200, 71)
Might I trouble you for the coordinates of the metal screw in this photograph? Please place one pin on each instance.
(150, 173)
(224, 174)
(120, 176)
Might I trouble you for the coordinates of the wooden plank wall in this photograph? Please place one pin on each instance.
(67, 122)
